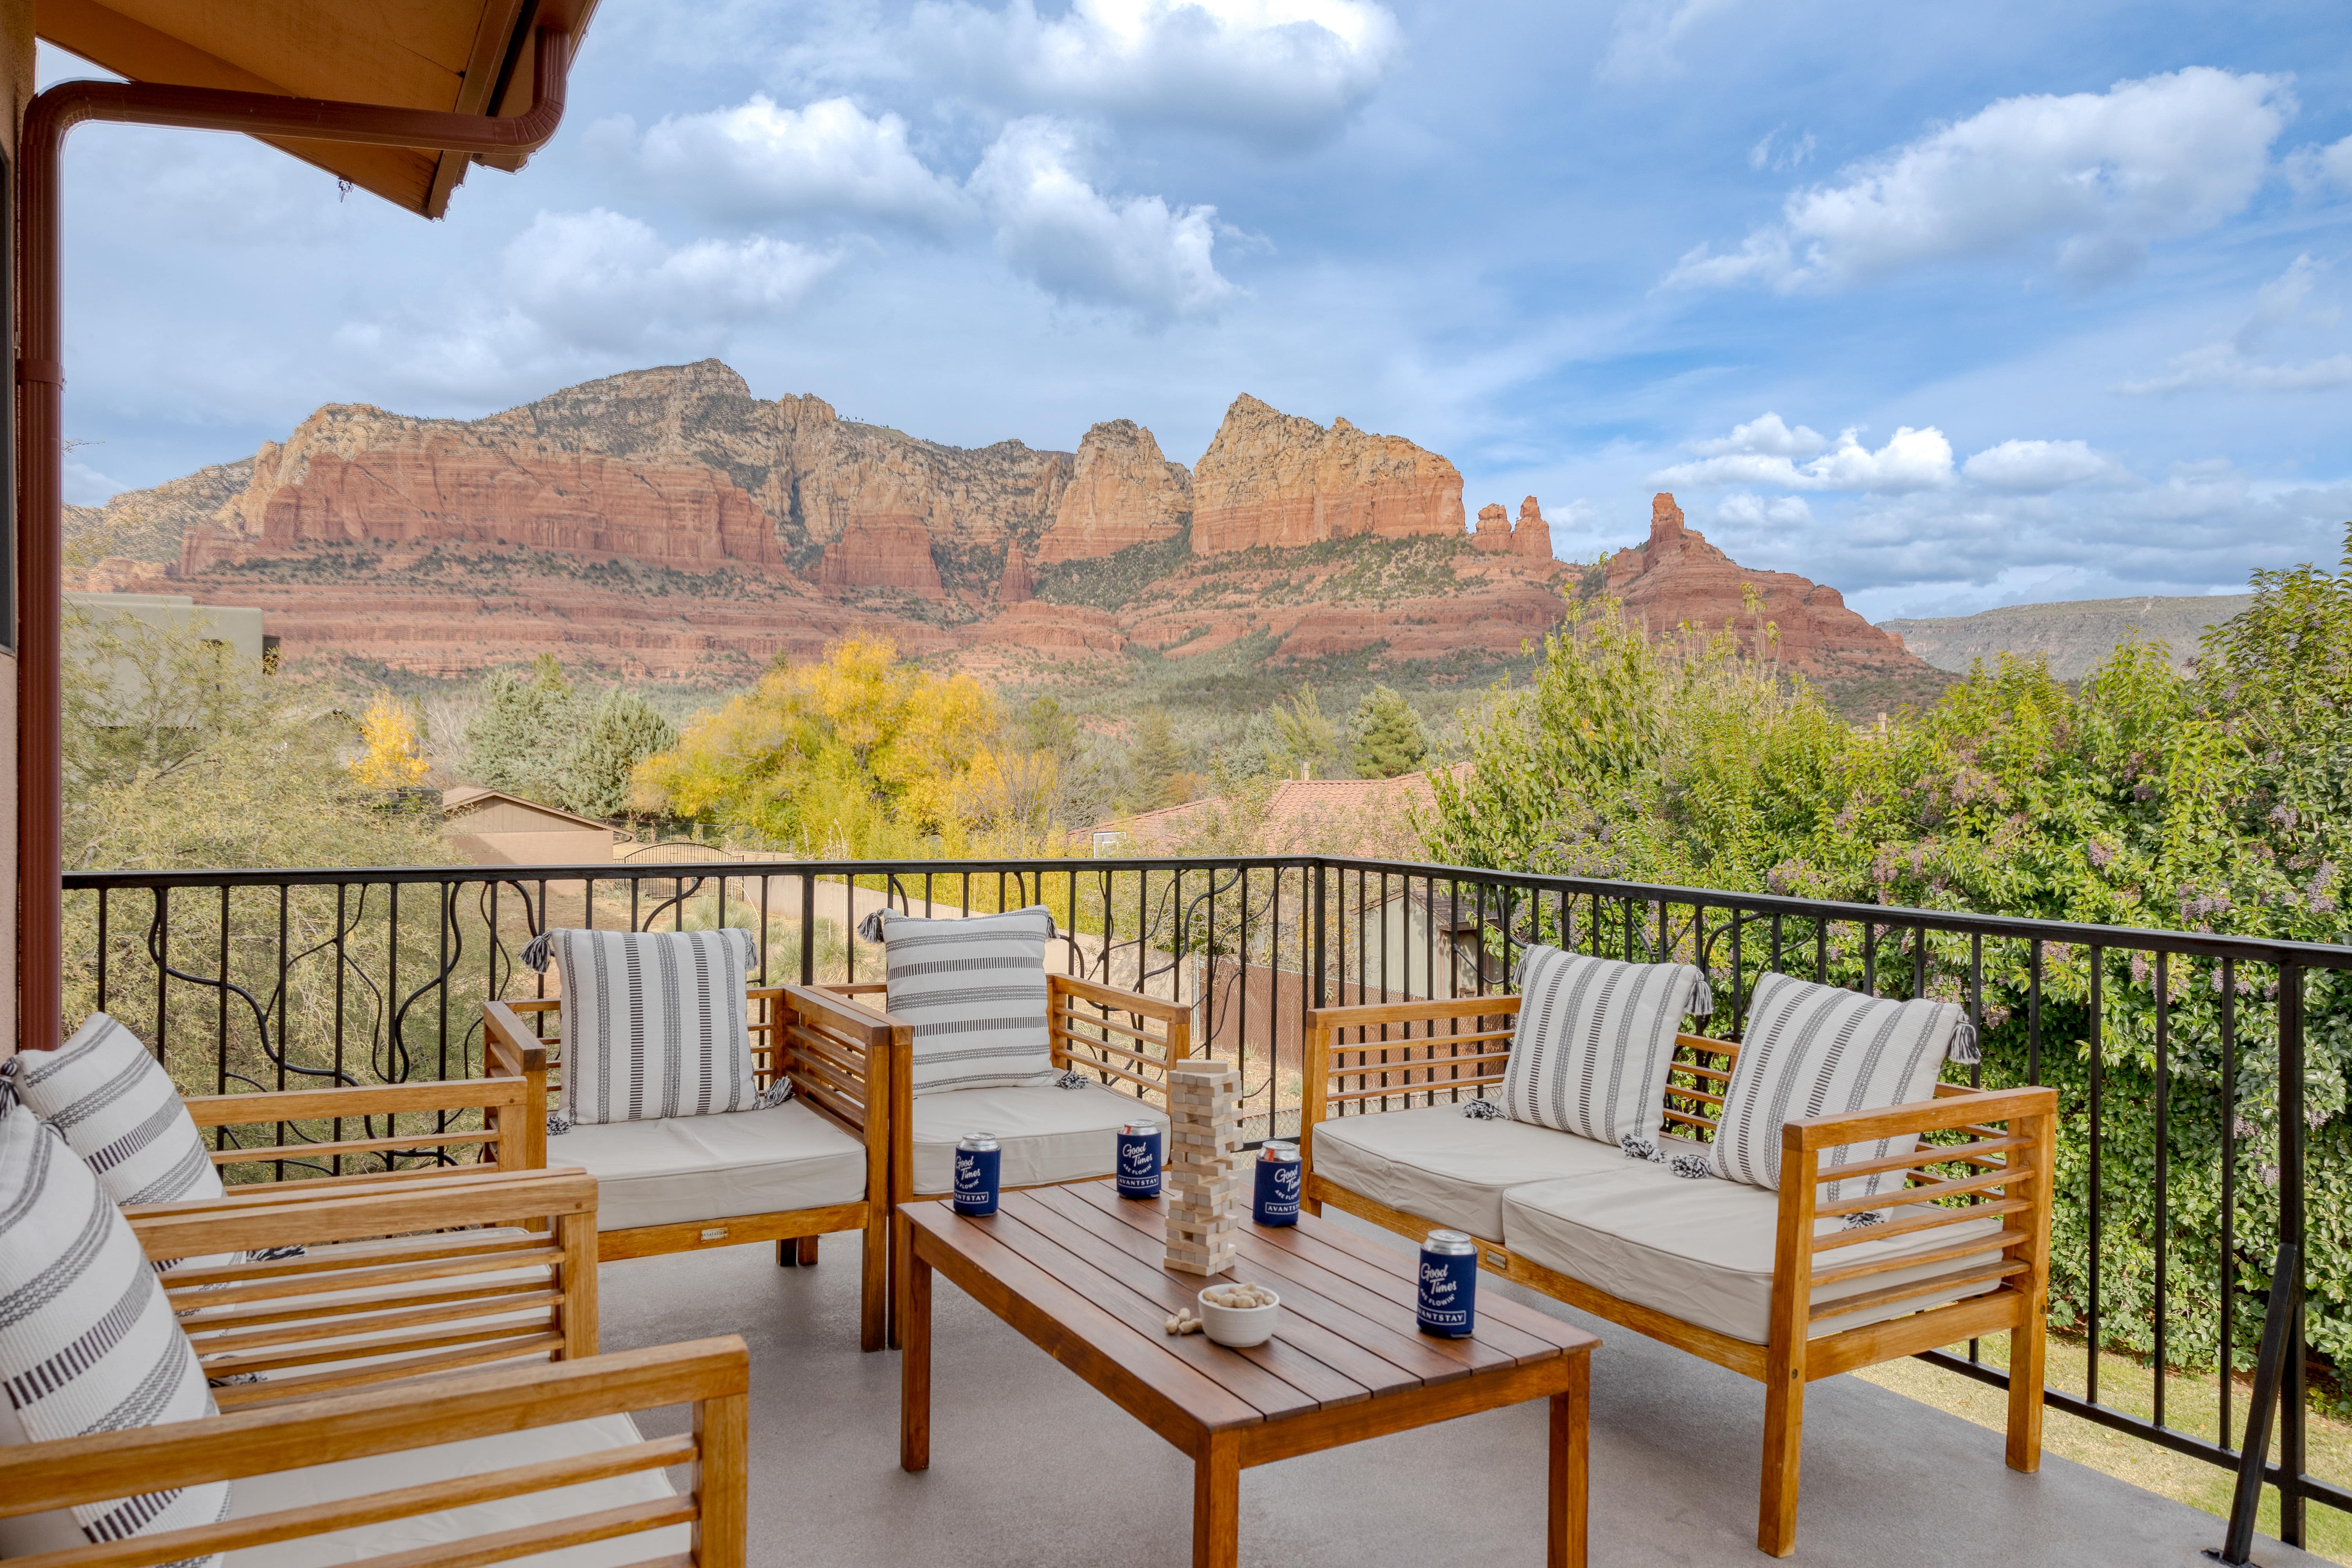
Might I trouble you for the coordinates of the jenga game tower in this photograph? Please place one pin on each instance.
(1204, 1168)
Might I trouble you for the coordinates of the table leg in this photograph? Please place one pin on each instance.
(1570, 1468)
(1217, 1502)
(915, 1368)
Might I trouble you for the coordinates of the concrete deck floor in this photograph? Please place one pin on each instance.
(1032, 1468)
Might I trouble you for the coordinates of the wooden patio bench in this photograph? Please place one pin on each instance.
(1744, 1277)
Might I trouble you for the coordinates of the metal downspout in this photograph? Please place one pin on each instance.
(40, 431)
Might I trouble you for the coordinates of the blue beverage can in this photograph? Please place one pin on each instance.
(1449, 1285)
(1279, 1172)
(1138, 1160)
(977, 1160)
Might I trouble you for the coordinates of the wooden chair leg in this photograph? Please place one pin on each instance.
(1784, 1439)
(874, 1284)
(788, 1254)
(2026, 1349)
(901, 1241)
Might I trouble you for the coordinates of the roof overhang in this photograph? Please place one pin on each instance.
(465, 56)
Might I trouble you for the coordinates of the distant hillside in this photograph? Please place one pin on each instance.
(2075, 636)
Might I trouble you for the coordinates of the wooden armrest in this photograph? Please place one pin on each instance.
(711, 1374)
(269, 1215)
(861, 988)
(352, 1100)
(1945, 1111)
(823, 1005)
(509, 1049)
(1443, 1010)
(1123, 1000)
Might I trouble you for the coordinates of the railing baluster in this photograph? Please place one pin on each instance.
(2229, 1282)
(2291, 1234)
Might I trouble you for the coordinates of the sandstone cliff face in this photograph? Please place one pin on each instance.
(678, 467)
(882, 552)
(1122, 492)
(1273, 478)
(1678, 577)
(1017, 584)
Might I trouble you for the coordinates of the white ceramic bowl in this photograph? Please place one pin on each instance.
(1239, 1327)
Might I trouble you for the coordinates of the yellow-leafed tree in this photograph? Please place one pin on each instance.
(388, 757)
(858, 753)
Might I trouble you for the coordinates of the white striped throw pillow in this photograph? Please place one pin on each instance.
(974, 991)
(654, 1022)
(117, 1108)
(1593, 1043)
(1816, 1050)
(87, 1341)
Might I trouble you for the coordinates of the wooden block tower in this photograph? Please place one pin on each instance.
(1205, 1165)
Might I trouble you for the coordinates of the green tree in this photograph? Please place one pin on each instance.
(623, 730)
(525, 730)
(1158, 763)
(1387, 735)
(1043, 726)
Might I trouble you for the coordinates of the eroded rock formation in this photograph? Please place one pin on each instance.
(1676, 577)
(1122, 492)
(892, 551)
(1018, 584)
(1531, 535)
(1273, 478)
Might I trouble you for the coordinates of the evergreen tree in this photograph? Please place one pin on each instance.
(1388, 735)
(1042, 726)
(1159, 761)
(623, 730)
(523, 735)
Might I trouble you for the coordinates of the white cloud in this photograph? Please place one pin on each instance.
(759, 160)
(1744, 508)
(2040, 467)
(1780, 156)
(2281, 308)
(1911, 460)
(1054, 228)
(2087, 181)
(1642, 46)
(1275, 72)
(2312, 170)
(1766, 434)
(591, 289)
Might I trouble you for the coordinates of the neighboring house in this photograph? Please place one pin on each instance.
(236, 628)
(490, 827)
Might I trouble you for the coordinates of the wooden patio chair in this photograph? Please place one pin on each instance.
(512, 1465)
(817, 1164)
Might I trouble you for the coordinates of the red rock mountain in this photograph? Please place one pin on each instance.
(667, 523)
(1271, 477)
(1676, 577)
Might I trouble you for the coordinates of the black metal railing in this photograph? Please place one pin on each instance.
(2203, 1078)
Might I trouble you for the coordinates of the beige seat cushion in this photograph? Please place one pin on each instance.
(684, 1168)
(1437, 1164)
(414, 1467)
(1047, 1135)
(1701, 1251)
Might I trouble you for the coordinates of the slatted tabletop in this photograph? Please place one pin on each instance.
(1080, 1270)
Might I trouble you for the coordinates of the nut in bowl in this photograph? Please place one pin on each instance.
(1239, 1315)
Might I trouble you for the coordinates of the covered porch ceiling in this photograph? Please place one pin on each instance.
(465, 56)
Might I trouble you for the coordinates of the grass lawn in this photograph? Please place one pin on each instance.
(2190, 1405)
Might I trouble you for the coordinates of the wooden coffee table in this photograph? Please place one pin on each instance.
(1079, 1270)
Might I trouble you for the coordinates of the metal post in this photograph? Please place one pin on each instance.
(2291, 1235)
(2286, 1304)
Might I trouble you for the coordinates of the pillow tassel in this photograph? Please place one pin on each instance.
(870, 928)
(537, 950)
(1072, 1079)
(1641, 1149)
(1964, 1046)
(1702, 995)
(1481, 1108)
(559, 1122)
(775, 1094)
(1692, 1167)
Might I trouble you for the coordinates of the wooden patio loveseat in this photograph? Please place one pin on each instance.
(1777, 1287)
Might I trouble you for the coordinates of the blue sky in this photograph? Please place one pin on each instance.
(1947, 306)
